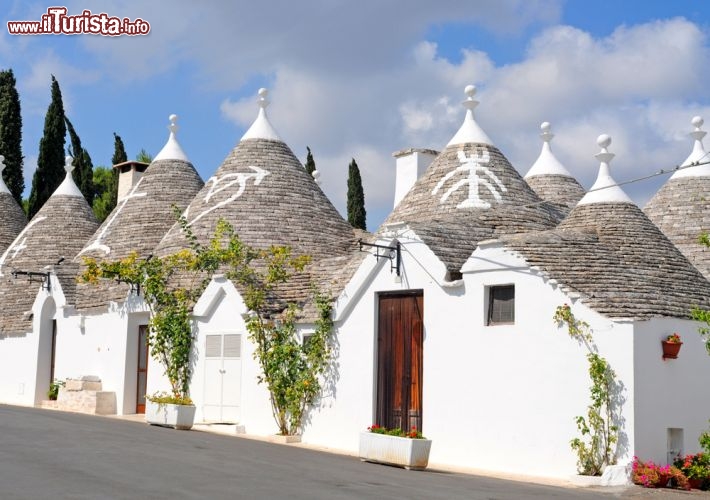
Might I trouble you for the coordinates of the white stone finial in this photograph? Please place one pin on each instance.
(263, 94)
(172, 149)
(547, 163)
(68, 167)
(604, 141)
(68, 187)
(470, 91)
(605, 188)
(694, 165)
(316, 176)
(470, 131)
(261, 128)
(173, 127)
(546, 134)
(604, 156)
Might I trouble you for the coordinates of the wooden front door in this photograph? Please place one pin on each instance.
(400, 336)
(142, 368)
(53, 355)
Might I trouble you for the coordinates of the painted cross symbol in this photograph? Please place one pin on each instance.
(472, 165)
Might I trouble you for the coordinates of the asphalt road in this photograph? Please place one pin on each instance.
(55, 455)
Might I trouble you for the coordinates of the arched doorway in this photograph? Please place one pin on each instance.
(46, 349)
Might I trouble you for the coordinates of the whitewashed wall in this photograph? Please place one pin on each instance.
(672, 393)
(25, 359)
(500, 397)
(103, 344)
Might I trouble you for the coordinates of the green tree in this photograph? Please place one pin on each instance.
(310, 163)
(50, 162)
(119, 151)
(109, 190)
(11, 135)
(144, 157)
(356, 198)
(83, 167)
(103, 183)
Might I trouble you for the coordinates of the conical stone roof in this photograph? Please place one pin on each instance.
(266, 194)
(470, 193)
(59, 230)
(609, 253)
(12, 218)
(681, 208)
(141, 219)
(550, 180)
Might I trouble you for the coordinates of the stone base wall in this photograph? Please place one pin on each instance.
(85, 396)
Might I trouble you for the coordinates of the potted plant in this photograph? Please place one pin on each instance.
(395, 447)
(696, 468)
(53, 391)
(170, 410)
(671, 346)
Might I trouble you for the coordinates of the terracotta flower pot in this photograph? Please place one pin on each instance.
(671, 349)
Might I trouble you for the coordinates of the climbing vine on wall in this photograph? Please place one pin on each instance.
(291, 369)
(596, 447)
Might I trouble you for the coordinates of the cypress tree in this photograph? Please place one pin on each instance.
(119, 151)
(103, 180)
(356, 198)
(310, 163)
(83, 167)
(50, 162)
(119, 156)
(11, 135)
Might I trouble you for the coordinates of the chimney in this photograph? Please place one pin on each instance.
(411, 164)
(129, 172)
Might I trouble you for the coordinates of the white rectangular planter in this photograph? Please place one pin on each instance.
(168, 415)
(393, 450)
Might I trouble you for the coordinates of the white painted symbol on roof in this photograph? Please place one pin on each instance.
(473, 166)
(229, 180)
(97, 244)
(19, 247)
(19, 244)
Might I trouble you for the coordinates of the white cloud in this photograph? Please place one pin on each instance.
(584, 86)
(358, 79)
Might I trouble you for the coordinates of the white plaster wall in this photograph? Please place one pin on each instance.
(18, 369)
(25, 359)
(106, 347)
(220, 310)
(500, 397)
(672, 393)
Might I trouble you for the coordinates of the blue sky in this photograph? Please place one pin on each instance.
(365, 79)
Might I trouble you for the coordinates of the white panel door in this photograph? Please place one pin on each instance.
(223, 378)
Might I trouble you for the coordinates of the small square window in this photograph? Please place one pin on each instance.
(501, 305)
